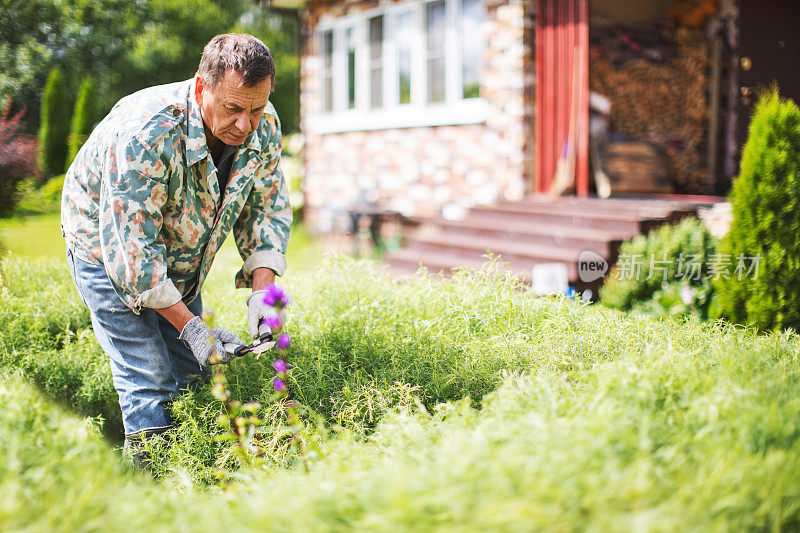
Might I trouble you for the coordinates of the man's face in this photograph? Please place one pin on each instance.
(232, 110)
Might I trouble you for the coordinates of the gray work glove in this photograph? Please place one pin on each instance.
(199, 338)
(258, 311)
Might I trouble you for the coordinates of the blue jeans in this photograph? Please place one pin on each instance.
(149, 364)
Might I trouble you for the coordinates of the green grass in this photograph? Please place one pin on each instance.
(32, 237)
(445, 405)
(454, 405)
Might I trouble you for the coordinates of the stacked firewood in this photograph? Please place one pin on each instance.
(658, 97)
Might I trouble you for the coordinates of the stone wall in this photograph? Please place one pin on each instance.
(427, 170)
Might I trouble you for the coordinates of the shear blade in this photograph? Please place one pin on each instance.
(263, 347)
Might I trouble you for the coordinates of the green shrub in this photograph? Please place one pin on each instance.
(765, 198)
(51, 191)
(38, 200)
(54, 126)
(17, 157)
(664, 272)
(57, 474)
(45, 335)
(82, 119)
(592, 419)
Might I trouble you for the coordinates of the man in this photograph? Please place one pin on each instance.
(147, 203)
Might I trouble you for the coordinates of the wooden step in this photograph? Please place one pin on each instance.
(604, 212)
(445, 263)
(621, 221)
(437, 260)
(533, 231)
(615, 210)
(512, 250)
(662, 201)
(602, 241)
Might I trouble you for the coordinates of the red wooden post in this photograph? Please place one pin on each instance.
(582, 167)
(561, 26)
(538, 141)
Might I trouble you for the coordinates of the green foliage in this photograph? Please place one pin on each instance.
(170, 39)
(125, 46)
(281, 35)
(174, 33)
(81, 36)
(766, 221)
(54, 126)
(25, 58)
(38, 200)
(558, 416)
(83, 117)
(17, 157)
(678, 285)
(45, 337)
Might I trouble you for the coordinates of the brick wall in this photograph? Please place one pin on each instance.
(425, 170)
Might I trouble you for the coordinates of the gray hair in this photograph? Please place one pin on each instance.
(241, 52)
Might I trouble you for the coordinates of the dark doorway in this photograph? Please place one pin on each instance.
(769, 50)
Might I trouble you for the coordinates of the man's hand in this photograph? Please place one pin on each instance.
(258, 311)
(203, 341)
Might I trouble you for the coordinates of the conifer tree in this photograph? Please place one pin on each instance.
(82, 119)
(763, 243)
(54, 126)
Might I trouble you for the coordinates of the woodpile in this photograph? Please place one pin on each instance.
(660, 101)
(635, 167)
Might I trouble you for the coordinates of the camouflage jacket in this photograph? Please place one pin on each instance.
(142, 198)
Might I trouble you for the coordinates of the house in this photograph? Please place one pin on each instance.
(458, 114)
(421, 105)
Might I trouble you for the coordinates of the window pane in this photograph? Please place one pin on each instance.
(405, 36)
(376, 60)
(329, 94)
(351, 68)
(436, 80)
(434, 29)
(376, 88)
(376, 37)
(471, 17)
(327, 68)
(435, 25)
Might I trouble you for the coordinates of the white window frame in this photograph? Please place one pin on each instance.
(454, 110)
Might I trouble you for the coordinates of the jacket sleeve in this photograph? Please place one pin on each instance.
(263, 228)
(134, 189)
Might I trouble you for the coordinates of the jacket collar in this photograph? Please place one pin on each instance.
(196, 146)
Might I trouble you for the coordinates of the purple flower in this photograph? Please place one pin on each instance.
(279, 385)
(274, 322)
(280, 366)
(276, 297)
(283, 341)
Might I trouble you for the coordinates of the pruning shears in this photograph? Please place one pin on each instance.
(262, 344)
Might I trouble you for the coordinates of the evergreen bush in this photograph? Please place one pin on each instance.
(766, 222)
(36, 199)
(82, 119)
(664, 272)
(54, 126)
